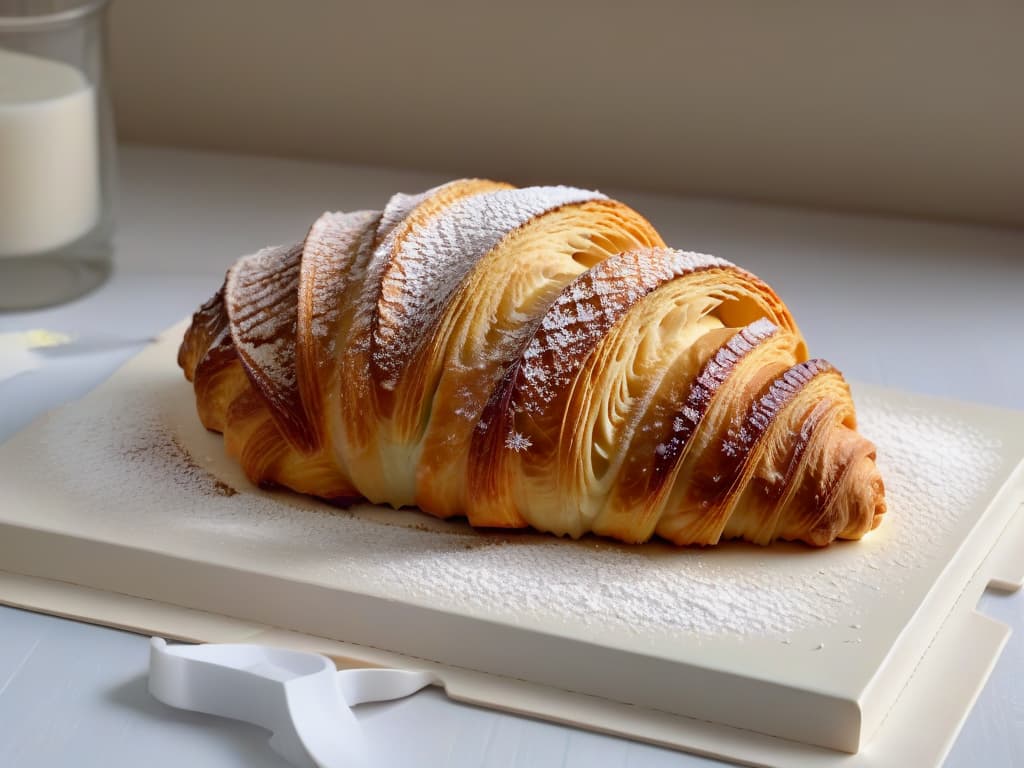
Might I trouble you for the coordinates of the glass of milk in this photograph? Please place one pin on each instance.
(57, 152)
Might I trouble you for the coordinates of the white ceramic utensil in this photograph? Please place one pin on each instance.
(300, 697)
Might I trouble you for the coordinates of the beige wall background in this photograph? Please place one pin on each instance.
(909, 107)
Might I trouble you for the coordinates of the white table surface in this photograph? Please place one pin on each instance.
(923, 306)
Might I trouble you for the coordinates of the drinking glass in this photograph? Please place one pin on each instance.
(57, 152)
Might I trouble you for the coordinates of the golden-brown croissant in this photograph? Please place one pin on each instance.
(530, 357)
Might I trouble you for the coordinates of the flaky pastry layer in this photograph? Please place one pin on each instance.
(530, 357)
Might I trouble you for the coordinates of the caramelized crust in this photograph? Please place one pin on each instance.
(530, 357)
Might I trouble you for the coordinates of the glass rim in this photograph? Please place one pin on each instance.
(41, 20)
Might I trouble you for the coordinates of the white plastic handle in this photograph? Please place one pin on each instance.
(300, 697)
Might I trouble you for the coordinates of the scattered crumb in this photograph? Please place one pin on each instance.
(223, 488)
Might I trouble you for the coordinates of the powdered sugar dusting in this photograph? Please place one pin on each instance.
(117, 458)
(585, 310)
(703, 389)
(398, 209)
(742, 435)
(261, 296)
(329, 249)
(517, 441)
(360, 334)
(434, 258)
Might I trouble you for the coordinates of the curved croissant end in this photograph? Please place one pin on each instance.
(530, 357)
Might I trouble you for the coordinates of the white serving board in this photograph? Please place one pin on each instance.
(124, 492)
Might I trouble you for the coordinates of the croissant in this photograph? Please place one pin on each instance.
(530, 357)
